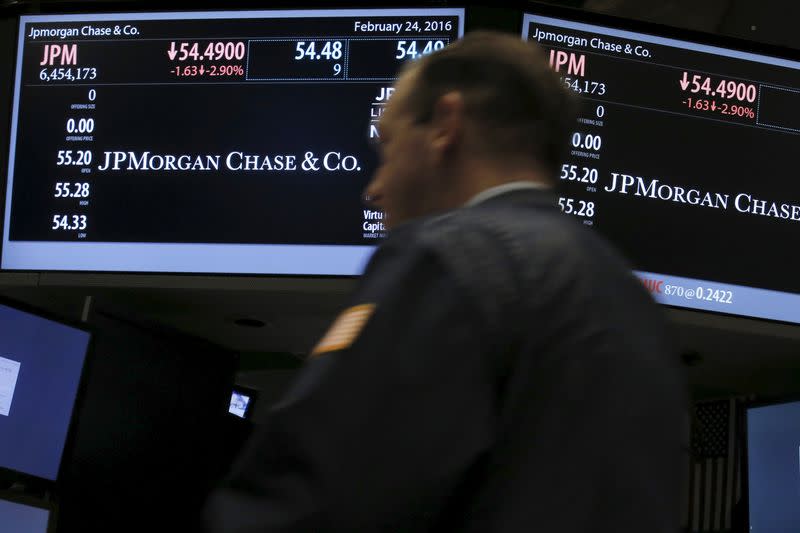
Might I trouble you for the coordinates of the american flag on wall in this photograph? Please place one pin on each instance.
(715, 466)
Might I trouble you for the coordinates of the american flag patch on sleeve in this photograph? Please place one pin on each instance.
(344, 330)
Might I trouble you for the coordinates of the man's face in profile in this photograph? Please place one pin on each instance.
(400, 185)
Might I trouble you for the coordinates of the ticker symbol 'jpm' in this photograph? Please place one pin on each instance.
(575, 63)
(67, 53)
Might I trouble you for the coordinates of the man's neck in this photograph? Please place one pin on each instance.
(476, 177)
(498, 190)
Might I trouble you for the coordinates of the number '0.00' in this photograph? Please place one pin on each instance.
(587, 141)
(82, 125)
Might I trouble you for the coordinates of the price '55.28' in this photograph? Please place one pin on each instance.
(72, 190)
(578, 208)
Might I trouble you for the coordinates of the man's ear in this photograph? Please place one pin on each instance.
(447, 125)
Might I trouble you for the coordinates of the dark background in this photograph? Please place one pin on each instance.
(153, 433)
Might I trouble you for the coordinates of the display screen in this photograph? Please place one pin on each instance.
(773, 468)
(41, 363)
(20, 518)
(240, 404)
(683, 156)
(214, 142)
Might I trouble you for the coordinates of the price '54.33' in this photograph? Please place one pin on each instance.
(69, 222)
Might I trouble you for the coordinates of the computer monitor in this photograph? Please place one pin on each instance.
(228, 142)
(41, 364)
(773, 467)
(681, 156)
(22, 514)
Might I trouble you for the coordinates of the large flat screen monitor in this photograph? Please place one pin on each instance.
(41, 364)
(773, 467)
(684, 156)
(204, 142)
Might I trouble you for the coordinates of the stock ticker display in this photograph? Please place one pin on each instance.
(204, 142)
(684, 155)
(238, 143)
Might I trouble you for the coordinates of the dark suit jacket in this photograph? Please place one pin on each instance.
(512, 376)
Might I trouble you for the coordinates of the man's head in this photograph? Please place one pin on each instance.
(483, 111)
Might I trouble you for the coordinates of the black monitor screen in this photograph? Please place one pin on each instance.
(773, 468)
(684, 156)
(18, 517)
(206, 142)
(41, 362)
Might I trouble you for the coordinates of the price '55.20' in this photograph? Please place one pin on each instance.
(74, 157)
